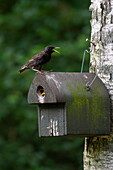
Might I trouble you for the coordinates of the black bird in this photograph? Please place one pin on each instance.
(39, 59)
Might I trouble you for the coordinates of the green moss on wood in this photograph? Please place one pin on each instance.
(86, 106)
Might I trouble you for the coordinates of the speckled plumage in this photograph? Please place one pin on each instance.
(39, 59)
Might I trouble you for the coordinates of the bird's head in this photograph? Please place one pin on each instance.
(51, 49)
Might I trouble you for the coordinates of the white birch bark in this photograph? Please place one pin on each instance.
(98, 152)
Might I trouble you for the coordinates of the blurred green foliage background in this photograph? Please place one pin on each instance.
(26, 27)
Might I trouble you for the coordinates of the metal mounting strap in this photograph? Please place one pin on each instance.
(91, 50)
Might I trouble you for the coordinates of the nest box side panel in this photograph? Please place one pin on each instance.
(88, 114)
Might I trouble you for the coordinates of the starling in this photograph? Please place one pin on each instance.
(39, 59)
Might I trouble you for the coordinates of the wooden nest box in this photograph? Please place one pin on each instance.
(67, 108)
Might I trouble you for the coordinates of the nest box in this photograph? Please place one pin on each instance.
(67, 108)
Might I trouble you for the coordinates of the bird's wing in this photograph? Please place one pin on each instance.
(35, 60)
(38, 56)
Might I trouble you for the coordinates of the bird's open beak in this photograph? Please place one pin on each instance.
(56, 50)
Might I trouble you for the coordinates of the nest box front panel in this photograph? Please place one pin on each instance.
(52, 119)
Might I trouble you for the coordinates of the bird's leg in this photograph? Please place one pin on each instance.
(43, 70)
(40, 71)
(40, 67)
(35, 69)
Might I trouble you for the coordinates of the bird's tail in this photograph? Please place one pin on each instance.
(22, 69)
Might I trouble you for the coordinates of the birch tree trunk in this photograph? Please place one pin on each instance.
(98, 153)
